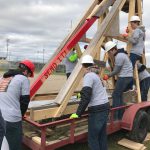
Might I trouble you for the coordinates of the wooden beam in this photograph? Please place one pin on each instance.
(114, 30)
(131, 13)
(139, 6)
(102, 69)
(74, 30)
(67, 91)
(136, 76)
(120, 38)
(40, 114)
(78, 50)
(131, 144)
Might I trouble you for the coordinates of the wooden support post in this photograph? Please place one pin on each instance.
(78, 50)
(136, 77)
(67, 91)
(139, 5)
(131, 13)
(103, 69)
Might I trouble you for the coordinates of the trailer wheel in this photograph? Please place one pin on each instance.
(148, 113)
(139, 130)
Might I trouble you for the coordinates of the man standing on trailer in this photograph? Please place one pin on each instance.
(137, 39)
(94, 95)
(14, 100)
(70, 62)
(124, 70)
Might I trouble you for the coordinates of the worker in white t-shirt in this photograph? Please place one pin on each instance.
(14, 100)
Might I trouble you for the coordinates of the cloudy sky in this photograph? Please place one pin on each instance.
(32, 28)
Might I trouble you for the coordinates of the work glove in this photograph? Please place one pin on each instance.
(78, 95)
(74, 116)
(105, 77)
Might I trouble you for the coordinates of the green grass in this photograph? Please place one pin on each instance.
(112, 143)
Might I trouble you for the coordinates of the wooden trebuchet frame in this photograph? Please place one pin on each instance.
(112, 7)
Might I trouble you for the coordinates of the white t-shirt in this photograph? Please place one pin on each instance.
(10, 100)
(99, 94)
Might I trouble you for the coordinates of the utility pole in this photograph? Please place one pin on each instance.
(7, 45)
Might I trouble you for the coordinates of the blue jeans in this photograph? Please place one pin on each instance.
(14, 135)
(134, 58)
(121, 85)
(2, 129)
(144, 87)
(97, 135)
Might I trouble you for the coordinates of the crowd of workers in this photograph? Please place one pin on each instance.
(15, 90)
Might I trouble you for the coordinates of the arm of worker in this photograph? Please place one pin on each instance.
(115, 71)
(119, 61)
(11, 73)
(86, 94)
(141, 67)
(24, 102)
(25, 96)
(134, 38)
(73, 57)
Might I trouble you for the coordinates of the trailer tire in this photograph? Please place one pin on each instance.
(139, 129)
(148, 113)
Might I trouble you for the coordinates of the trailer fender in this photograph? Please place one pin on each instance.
(130, 113)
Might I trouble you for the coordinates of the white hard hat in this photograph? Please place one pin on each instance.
(109, 45)
(87, 59)
(135, 18)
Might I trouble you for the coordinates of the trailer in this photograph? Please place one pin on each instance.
(48, 126)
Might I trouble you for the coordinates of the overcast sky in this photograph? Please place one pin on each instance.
(34, 26)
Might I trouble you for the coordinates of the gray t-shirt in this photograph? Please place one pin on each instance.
(144, 74)
(10, 100)
(137, 40)
(123, 60)
(70, 65)
(99, 94)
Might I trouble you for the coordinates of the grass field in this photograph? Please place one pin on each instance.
(112, 143)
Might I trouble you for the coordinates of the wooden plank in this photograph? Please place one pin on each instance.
(37, 140)
(131, 13)
(66, 92)
(74, 30)
(120, 38)
(139, 6)
(147, 137)
(114, 30)
(102, 69)
(78, 50)
(136, 76)
(130, 144)
(36, 115)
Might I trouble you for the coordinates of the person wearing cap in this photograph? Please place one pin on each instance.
(94, 96)
(144, 78)
(124, 70)
(136, 39)
(70, 62)
(14, 100)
